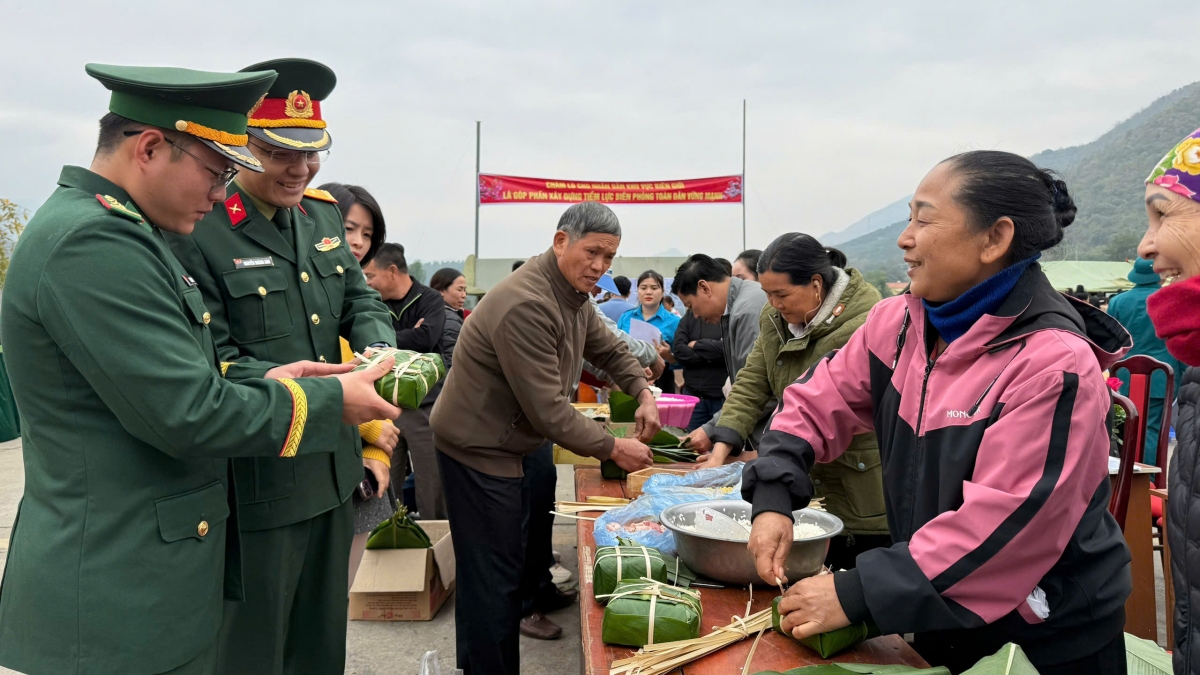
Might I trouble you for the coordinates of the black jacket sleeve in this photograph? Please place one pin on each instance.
(706, 351)
(427, 338)
(683, 335)
(450, 336)
(711, 350)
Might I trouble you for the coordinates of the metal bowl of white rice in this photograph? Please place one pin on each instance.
(728, 559)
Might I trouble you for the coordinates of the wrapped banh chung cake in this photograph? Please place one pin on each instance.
(399, 531)
(411, 377)
(648, 612)
(615, 564)
(833, 642)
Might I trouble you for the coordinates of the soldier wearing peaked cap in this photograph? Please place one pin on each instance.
(282, 286)
(125, 545)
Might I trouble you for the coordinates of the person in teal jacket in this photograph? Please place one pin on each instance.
(1130, 309)
(651, 310)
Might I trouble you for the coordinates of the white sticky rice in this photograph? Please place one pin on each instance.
(800, 531)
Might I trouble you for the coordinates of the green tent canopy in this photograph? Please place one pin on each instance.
(1094, 276)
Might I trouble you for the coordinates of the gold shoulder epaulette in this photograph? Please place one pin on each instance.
(322, 195)
(120, 209)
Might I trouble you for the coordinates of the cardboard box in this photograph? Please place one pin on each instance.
(406, 584)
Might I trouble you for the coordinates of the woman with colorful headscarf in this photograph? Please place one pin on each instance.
(1172, 241)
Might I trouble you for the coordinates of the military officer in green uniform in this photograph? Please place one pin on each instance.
(283, 286)
(125, 540)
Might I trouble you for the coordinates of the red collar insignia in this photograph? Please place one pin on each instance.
(235, 209)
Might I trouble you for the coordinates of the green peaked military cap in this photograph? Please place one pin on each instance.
(290, 115)
(213, 107)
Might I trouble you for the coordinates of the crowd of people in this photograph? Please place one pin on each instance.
(201, 475)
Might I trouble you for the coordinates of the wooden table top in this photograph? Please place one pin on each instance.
(775, 652)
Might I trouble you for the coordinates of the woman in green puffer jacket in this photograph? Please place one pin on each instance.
(815, 305)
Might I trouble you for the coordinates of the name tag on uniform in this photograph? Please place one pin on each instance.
(245, 263)
(187, 279)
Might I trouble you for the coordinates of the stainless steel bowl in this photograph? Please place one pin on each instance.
(730, 561)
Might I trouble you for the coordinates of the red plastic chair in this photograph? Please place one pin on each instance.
(1140, 369)
(1131, 450)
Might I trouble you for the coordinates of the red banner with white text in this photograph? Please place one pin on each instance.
(495, 189)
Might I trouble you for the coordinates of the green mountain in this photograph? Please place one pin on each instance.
(1105, 177)
(873, 221)
(877, 253)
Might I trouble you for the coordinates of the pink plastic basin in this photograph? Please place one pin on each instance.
(675, 410)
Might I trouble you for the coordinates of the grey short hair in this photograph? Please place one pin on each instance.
(586, 218)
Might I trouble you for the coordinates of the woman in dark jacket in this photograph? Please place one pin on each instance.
(453, 286)
(1172, 241)
(985, 388)
(365, 233)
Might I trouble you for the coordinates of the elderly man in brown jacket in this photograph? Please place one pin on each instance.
(518, 358)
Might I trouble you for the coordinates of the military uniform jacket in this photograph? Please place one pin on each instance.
(118, 552)
(283, 295)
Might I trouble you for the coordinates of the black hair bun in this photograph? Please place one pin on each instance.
(836, 257)
(1060, 199)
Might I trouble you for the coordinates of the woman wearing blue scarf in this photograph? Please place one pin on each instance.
(984, 387)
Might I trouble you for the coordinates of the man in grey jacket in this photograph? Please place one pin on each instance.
(713, 296)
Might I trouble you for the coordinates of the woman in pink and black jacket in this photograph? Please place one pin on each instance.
(984, 387)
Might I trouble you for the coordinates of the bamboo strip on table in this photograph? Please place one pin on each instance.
(659, 659)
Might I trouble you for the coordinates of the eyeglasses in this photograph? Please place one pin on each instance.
(289, 156)
(224, 176)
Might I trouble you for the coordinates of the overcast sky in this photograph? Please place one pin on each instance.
(849, 103)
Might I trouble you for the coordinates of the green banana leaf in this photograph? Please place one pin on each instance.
(615, 564)
(665, 439)
(1144, 657)
(827, 644)
(666, 447)
(399, 531)
(618, 432)
(1010, 660)
(411, 378)
(627, 616)
(859, 668)
(677, 456)
(621, 407)
(610, 470)
(679, 574)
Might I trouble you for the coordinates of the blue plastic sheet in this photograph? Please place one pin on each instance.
(639, 521)
(729, 475)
